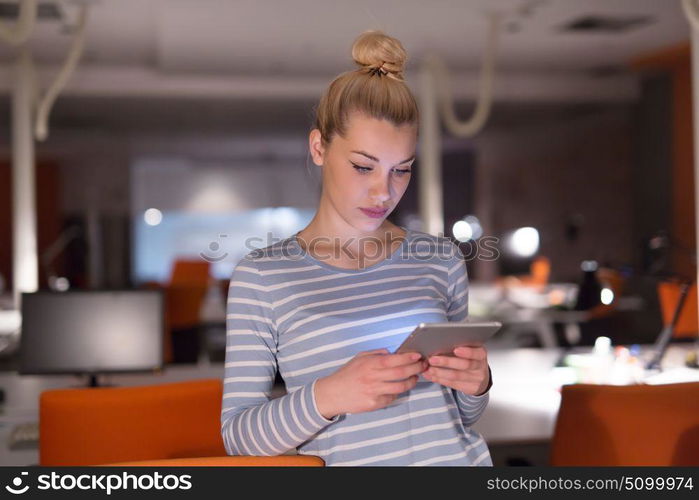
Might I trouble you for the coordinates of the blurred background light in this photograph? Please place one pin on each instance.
(286, 218)
(153, 216)
(589, 266)
(606, 296)
(59, 283)
(525, 241)
(468, 228)
(462, 231)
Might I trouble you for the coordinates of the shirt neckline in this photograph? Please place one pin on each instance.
(309, 258)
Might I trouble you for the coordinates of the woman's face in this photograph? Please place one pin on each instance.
(368, 169)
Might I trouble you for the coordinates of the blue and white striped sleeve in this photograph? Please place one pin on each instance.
(470, 407)
(251, 422)
(457, 293)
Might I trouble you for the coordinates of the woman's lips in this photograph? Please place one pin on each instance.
(375, 214)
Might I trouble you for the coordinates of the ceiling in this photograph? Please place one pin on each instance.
(260, 65)
(313, 37)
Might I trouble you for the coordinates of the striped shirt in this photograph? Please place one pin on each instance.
(291, 312)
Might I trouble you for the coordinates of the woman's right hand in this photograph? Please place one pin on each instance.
(369, 381)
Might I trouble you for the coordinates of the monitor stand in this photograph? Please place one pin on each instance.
(93, 381)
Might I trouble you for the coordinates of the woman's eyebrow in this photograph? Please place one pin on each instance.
(377, 160)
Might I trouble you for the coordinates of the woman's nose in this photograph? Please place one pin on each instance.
(380, 190)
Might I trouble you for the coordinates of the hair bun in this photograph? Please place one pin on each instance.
(377, 52)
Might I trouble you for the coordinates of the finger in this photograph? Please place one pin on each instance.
(397, 387)
(432, 377)
(468, 387)
(471, 352)
(447, 374)
(453, 363)
(393, 360)
(403, 372)
(373, 351)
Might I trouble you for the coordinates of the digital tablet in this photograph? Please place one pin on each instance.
(442, 338)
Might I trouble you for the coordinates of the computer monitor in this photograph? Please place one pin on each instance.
(91, 332)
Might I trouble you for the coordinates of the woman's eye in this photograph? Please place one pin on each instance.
(364, 170)
(361, 170)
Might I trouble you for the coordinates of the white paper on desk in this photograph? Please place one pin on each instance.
(673, 376)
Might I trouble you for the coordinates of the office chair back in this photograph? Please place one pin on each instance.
(190, 272)
(635, 425)
(687, 324)
(119, 424)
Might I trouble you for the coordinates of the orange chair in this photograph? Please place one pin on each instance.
(668, 295)
(190, 273)
(539, 271)
(183, 296)
(105, 425)
(538, 277)
(635, 425)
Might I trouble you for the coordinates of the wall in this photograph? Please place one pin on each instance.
(532, 165)
(550, 174)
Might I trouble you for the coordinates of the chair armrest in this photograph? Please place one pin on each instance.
(229, 461)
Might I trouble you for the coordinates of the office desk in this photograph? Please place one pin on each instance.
(524, 398)
(22, 398)
(525, 395)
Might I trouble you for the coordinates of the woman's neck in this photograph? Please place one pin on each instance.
(321, 234)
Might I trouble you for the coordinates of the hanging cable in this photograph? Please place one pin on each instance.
(691, 12)
(76, 50)
(485, 94)
(23, 28)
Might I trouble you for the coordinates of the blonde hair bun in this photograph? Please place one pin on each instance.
(377, 52)
(376, 89)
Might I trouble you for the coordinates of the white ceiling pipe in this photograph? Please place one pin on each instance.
(145, 83)
(25, 261)
(435, 95)
(430, 153)
(76, 50)
(23, 28)
(691, 12)
(475, 123)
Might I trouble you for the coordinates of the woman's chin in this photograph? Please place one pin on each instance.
(372, 224)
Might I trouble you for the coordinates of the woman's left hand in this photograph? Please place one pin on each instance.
(466, 371)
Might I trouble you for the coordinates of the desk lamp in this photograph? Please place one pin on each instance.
(666, 333)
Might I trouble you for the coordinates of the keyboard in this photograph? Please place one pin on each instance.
(24, 436)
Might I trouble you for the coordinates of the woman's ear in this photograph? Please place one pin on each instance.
(315, 145)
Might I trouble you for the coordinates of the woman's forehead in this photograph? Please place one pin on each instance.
(370, 134)
(357, 121)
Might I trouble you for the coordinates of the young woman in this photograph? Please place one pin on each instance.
(327, 306)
